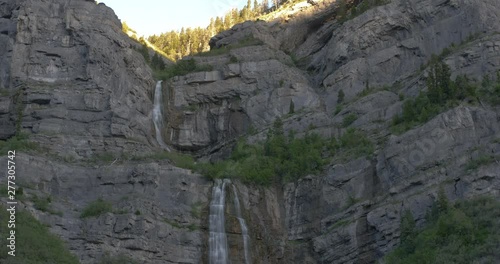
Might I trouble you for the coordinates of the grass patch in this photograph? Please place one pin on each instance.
(43, 204)
(35, 243)
(467, 232)
(96, 208)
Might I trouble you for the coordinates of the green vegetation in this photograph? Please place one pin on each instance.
(233, 59)
(467, 232)
(118, 259)
(182, 67)
(349, 119)
(96, 208)
(480, 161)
(20, 143)
(442, 93)
(43, 204)
(4, 92)
(490, 90)
(34, 243)
(354, 144)
(291, 108)
(340, 97)
(286, 158)
(338, 109)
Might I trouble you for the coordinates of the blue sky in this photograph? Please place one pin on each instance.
(150, 17)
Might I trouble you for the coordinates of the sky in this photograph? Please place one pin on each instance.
(149, 17)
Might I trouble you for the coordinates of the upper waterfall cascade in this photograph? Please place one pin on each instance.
(158, 116)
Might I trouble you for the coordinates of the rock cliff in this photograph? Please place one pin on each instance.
(72, 79)
(75, 83)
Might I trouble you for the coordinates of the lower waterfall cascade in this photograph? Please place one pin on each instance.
(218, 244)
(243, 225)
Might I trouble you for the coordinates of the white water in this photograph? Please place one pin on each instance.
(158, 117)
(218, 251)
(244, 229)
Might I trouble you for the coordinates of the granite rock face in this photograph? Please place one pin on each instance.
(210, 108)
(75, 83)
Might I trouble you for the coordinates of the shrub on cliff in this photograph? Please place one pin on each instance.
(467, 232)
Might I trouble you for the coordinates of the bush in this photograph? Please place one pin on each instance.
(341, 96)
(36, 243)
(96, 208)
(338, 108)
(349, 119)
(468, 232)
(42, 204)
(353, 144)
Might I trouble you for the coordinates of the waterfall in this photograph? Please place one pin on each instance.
(158, 117)
(244, 229)
(218, 241)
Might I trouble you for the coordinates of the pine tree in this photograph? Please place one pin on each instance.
(265, 6)
(256, 8)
